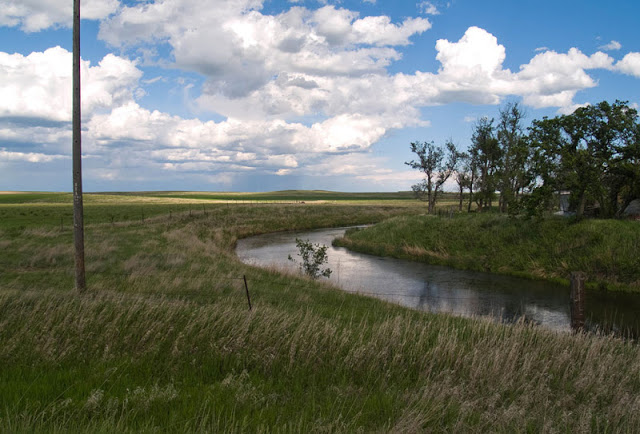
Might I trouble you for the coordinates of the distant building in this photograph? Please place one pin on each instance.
(633, 210)
(563, 198)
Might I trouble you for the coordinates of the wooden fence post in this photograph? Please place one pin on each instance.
(577, 300)
(246, 287)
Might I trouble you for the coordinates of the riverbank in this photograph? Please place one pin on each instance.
(164, 341)
(549, 249)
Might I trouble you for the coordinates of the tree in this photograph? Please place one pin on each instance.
(314, 256)
(437, 170)
(594, 153)
(462, 176)
(545, 141)
(512, 174)
(627, 164)
(485, 155)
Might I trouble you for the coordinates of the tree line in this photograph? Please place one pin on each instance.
(591, 155)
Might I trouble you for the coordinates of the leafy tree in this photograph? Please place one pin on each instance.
(545, 142)
(437, 170)
(593, 153)
(485, 155)
(512, 173)
(627, 165)
(314, 256)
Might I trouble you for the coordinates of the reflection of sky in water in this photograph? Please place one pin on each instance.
(427, 287)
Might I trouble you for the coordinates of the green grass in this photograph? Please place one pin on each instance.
(550, 249)
(164, 342)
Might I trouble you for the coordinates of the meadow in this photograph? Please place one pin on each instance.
(163, 340)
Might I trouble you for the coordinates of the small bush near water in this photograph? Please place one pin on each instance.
(163, 342)
(313, 257)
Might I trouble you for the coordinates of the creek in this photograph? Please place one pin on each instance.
(442, 289)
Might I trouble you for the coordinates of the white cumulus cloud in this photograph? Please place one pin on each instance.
(630, 64)
(36, 15)
(611, 46)
(39, 85)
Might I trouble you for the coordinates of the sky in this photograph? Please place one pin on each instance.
(264, 95)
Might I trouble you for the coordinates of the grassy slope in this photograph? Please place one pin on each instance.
(607, 250)
(164, 342)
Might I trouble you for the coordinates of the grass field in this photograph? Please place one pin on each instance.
(164, 342)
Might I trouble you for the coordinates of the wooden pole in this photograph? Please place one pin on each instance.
(246, 287)
(577, 300)
(78, 212)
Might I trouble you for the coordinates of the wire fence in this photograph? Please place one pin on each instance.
(252, 280)
(254, 285)
(214, 278)
(128, 214)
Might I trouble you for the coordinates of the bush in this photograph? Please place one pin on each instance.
(313, 257)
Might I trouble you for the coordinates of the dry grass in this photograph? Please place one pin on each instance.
(421, 252)
(462, 375)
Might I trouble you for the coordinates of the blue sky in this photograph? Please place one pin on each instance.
(260, 95)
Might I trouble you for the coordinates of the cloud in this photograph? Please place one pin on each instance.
(233, 139)
(31, 157)
(552, 79)
(428, 8)
(477, 52)
(36, 15)
(630, 64)
(252, 48)
(330, 61)
(611, 46)
(39, 85)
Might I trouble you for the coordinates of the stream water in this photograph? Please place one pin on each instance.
(442, 289)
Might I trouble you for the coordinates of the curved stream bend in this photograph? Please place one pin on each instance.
(441, 289)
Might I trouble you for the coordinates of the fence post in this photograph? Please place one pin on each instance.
(577, 300)
(246, 287)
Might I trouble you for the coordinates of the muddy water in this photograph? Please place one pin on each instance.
(442, 289)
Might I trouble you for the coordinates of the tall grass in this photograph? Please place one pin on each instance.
(164, 342)
(136, 362)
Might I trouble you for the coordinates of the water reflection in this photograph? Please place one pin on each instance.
(441, 289)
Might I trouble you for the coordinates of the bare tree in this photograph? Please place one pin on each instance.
(431, 161)
(462, 176)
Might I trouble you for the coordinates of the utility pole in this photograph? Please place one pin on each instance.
(78, 213)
